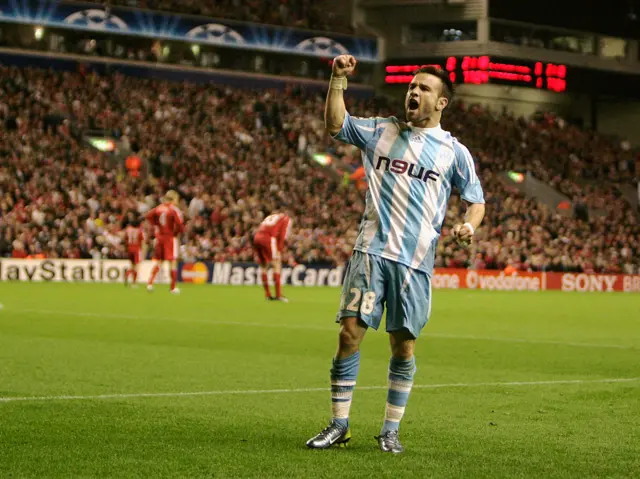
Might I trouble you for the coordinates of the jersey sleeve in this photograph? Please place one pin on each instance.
(357, 131)
(465, 177)
(179, 221)
(152, 217)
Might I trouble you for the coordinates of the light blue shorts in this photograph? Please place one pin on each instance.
(372, 283)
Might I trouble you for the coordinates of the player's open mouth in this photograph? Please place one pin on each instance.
(413, 104)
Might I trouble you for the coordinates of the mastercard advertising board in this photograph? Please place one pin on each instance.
(195, 273)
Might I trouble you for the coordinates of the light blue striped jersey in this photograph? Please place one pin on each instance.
(410, 172)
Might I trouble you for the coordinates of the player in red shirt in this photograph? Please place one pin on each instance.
(168, 223)
(268, 243)
(134, 239)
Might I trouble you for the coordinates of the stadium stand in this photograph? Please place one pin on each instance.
(323, 15)
(236, 155)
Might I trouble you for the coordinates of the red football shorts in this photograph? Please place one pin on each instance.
(266, 248)
(135, 255)
(166, 249)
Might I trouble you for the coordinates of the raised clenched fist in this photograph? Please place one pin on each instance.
(344, 65)
(463, 234)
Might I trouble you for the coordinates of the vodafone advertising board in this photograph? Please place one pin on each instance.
(521, 281)
(112, 271)
(488, 280)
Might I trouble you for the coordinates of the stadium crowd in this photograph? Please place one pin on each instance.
(238, 155)
(323, 15)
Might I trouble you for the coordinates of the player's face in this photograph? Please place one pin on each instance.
(424, 98)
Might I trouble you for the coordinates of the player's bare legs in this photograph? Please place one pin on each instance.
(352, 331)
(135, 268)
(402, 367)
(277, 272)
(264, 268)
(174, 277)
(133, 272)
(154, 272)
(344, 373)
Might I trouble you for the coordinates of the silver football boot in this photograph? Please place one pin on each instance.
(333, 434)
(389, 442)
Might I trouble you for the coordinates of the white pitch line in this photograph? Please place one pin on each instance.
(308, 390)
(313, 328)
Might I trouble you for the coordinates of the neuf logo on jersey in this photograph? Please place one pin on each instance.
(401, 167)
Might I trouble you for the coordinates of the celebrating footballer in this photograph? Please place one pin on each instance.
(411, 167)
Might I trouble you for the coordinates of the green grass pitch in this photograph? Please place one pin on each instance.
(98, 380)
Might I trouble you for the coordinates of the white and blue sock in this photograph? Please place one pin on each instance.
(401, 373)
(343, 381)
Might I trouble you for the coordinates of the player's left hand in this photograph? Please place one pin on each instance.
(463, 235)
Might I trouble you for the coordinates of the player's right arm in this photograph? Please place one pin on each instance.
(335, 109)
(151, 216)
(337, 121)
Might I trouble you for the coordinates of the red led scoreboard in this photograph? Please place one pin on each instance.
(485, 69)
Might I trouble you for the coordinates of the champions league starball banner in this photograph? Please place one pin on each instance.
(193, 29)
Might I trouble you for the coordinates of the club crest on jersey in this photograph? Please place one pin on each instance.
(445, 156)
(402, 167)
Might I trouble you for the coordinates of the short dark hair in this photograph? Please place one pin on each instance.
(447, 85)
